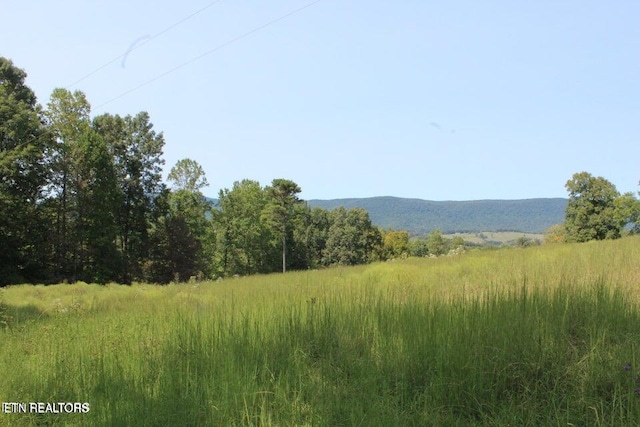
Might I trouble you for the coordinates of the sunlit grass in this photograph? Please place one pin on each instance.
(535, 336)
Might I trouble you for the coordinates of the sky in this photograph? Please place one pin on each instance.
(449, 100)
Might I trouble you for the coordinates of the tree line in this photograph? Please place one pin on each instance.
(78, 197)
(82, 198)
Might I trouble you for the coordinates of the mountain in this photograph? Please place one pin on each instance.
(419, 216)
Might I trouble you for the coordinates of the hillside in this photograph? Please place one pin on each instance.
(422, 216)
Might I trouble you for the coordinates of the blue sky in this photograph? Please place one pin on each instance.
(455, 100)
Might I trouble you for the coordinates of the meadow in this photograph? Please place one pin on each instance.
(495, 238)
(546, 335)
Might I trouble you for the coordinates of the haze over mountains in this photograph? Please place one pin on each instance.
(419, 217)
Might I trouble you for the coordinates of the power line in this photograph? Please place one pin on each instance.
(209, 52)
(146, 40)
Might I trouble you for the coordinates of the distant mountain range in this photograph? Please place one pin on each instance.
(420, 217)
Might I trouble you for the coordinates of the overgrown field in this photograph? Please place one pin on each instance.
(545, 335)
(496, 238)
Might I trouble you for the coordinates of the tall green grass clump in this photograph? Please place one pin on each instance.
(541, 336)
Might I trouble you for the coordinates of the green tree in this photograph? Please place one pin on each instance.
(456, 242)
(525, 242)
(178, 249)
(317, 234)
(23, 176)
(97, 206)
(282, 197)
(555, 234)
(310, 231)
(352, 238)
(244, 239)
(627, 209)
(136, 150)
(174, 248)
(188, 175)
(418, 247)
(436, 243)
(591, 211)
(68, 117)
(395, 244)
(86, 192)
(188, 203)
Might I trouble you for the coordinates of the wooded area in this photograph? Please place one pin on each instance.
(83, 199)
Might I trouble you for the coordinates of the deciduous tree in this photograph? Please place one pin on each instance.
(23, 178)
(97, 207)
(245, 241)
(188, 175)
(418, 246)
(436, 243)
(591, 211)
(194, 210)
(137, 156)
(555, 234)
(352, 238)
(395, 244)
(68, 118)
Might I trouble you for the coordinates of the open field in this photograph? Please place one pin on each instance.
(546, 335)
(496, 238)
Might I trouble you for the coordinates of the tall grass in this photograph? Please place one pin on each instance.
(537, 336)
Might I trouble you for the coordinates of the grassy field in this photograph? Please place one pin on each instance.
(496, 238)
(541, 336)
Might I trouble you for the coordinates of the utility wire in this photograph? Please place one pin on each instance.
(209, 52)
(139, 45)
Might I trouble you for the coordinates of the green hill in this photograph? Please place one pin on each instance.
(422, 216)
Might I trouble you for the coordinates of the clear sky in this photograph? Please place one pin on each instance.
(449, 100)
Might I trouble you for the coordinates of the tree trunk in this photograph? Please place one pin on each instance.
(284, 247)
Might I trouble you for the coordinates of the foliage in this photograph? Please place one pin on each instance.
(555, 234)
(137, 152)
(249, 229)
(395, 244)
(68, 118)
(436, 243)
(524, 242)
(188, 175)
(24, 140)
(310, 236)
(596, 210)
(627, 209)
(181, 241)
(83, 200)
(352, 238)
(97, 197)
(418, 247)
(245, 243)
(282, 197)
(106, 175)
(77, 196)
(174, 252)
(456, 242)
